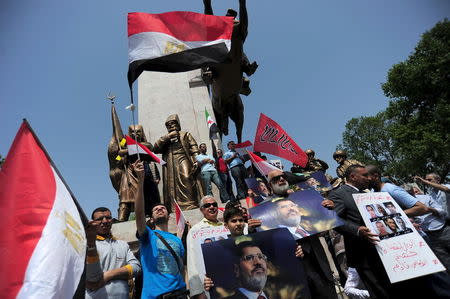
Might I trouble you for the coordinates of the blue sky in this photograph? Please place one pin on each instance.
(321, 63)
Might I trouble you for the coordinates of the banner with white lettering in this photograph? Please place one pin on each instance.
(272, 139)
(402, 250)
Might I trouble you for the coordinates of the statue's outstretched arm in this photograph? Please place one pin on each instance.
(243, 19)
(208, 7)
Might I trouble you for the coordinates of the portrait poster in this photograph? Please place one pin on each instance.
(402, 250)
(316, 181)
(301, 213)
(278, 273)
(253, 183)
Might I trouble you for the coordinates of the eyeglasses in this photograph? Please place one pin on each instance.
(207, 205)
(277, 178)
(103, 217)
(251, 257)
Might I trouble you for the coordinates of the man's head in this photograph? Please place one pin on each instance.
(208, 207)
(340, 156)
(433, 177)
(251, 271)
(357, 176)
(173, 123)
(202, 148)
(369, 208)
(374, 176)
(234, 220)
(278, 182)
(137, 132)
(231, 145)
(219, 153)
(381, 228)
(288, 213)
(159, 214)
(401, 223)
(391, 224)
(390, 206)
(263, 188)
(103, 216)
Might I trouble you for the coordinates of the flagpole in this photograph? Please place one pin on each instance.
(256, 164)
(83, 217)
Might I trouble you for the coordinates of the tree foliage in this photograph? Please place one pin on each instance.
(417, 120)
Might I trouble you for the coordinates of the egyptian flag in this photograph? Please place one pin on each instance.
(212, 126)
(43, 243)
(243, 147)
(176, 41)
(136, 147)
(180, 219)
(264, 167)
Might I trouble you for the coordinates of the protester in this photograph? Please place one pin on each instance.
(439, 192)
(236, 164)
(222, 169)
(209, 173)
(195, 264)
(110, 262)
(318, 271)
(161, 251)
(410, 205)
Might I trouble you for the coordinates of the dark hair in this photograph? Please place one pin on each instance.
(240, 247)
(99, 209)
(351, 169)
(229, 142)
(153, 206)
(232, 204)
(231, 212)
(201, 144)
(372, 169)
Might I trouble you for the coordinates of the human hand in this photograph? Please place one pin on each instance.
(91, 232)
(299, 252)
(156, 182)
(329, 204)
(254, 223)
(138, 167)
(174, 134)
(93, 286)
(366, 234)
(207, 283)
(419, 179)
(250, 193)
(211, 161)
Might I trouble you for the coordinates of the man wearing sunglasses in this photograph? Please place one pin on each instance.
(195, 264)
(110, 262)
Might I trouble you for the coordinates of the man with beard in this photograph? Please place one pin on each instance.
(109, 262)
(250, 271)
(318, 271)
(289, 216)
(161, 251)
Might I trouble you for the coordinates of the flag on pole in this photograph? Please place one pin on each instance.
(272, 139)
(263, 166)
(181, 221)
(43, 243)
(212, 126)
(176, 41)
(243, 147)
(136, 147)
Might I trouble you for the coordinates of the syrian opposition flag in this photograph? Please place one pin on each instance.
(212, 126)
(181, 220)
(243, 147)
(43, 243)
(136, 147)
(272, 139)
(176, 41)
(264, 167)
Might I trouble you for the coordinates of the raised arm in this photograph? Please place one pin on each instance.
(243, 19)
(208, 7)
(138, 167)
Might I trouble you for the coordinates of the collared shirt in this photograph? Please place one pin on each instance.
(403, 198)
(353, 187)
(206, 166)
(442, 198)
(430, 222)
(250, 294)
(112, 254)
(235, 162)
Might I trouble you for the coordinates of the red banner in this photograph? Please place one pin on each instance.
(272, 139)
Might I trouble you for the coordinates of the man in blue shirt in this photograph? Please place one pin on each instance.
(238, 171)
(209, 173)
(438, 191)
(163, 272)
(410, 205)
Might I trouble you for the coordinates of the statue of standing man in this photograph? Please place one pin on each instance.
(180, 174)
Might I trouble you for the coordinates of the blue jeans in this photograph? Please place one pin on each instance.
(239, 174)
(207, 177)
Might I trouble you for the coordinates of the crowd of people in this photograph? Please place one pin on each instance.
(347, 257)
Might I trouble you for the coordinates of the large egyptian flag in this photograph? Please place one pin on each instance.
(176, 41)
(135, 147)
(272, 139)
(42, 242)
(264, 167)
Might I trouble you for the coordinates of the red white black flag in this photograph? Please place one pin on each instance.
(176, 41)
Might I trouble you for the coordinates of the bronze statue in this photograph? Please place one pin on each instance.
(340, 157)
(180, 174)
(314, 164)
(227, 79)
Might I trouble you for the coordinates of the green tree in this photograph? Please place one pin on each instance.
(2, 160)
(420, 107)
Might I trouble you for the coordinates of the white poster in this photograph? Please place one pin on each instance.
(277, 164)
(402, 250)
